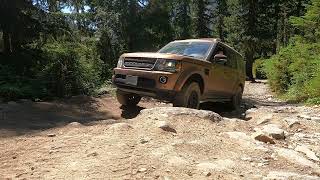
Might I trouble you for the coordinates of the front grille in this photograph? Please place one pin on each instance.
(139, 63)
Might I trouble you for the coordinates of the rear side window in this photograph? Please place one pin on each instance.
(232, 58)
(241, 63)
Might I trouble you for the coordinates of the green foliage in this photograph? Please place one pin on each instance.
(294, 72)
(71, 68)
(13, 86)
(258, 69)
(202, 19)
(181, 18)
(309, 24)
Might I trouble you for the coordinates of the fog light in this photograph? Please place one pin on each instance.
(163, 79)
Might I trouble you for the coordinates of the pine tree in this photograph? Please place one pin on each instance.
(247, 20)
(219, 13)
(158, 30)
(201, 18)
(181, 18)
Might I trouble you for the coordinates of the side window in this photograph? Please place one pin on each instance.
(218, 50)
(229, 54)
(232, 59)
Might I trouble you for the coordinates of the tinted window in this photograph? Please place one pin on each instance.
(192, 49)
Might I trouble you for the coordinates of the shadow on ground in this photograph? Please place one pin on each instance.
(24, 117)
(130, 112)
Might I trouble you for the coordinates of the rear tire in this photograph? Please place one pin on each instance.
(189, 96)
(127, 99)
(237, 99)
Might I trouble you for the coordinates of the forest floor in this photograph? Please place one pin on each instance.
(94, 138)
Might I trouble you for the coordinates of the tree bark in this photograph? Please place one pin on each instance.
(6, 42)
(220, 28)
(249, 65)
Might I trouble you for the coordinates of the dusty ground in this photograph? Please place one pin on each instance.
(93, 138)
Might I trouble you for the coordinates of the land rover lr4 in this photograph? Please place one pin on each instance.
(184, 72)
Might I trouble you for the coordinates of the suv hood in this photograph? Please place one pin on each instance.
(154, 55)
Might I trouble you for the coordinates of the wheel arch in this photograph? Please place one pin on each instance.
(194, 77)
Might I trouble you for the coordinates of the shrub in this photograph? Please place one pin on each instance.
(60, 68)
(13, 86)
(70, 68)
(258, 69)
(295, 71)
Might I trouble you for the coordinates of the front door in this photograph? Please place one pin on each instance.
(221, 76)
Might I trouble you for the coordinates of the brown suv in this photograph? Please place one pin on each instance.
(184, 72)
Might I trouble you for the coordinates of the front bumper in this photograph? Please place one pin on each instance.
(148, 83)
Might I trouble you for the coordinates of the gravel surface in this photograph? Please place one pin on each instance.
(94, 138)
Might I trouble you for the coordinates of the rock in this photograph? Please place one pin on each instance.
(304, 116)
(25, 101)
(246, 141)
(259, 136)
(265, 119)
(166, 178)
(177, 161)
(12, 103)
(281, 175)
(273, 131)
(207, 174)
(75, 124)
(142, 170)
(296, 158)
(252, 110)
(219, 165)
(166, 127)
(291, 121)
(37, 100)
(179, 111)
(144, 141)
(121, 126)
(51, 135)
(92, 154)
(315, 119)
(249, 159)
(305, 150)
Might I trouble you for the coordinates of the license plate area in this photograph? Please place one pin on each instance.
(131, 80)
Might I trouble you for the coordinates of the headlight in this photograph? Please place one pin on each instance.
(120, 62)
(166, 65)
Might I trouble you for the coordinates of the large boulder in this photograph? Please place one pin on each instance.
(179, 111)
(273, 131)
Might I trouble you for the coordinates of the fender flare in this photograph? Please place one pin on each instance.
(184, 77)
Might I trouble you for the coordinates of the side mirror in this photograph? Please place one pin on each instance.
(220, 59)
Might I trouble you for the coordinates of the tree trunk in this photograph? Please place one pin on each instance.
(220, 28)
(7, 48)
(249, 65)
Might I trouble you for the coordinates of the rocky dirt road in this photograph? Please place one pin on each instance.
(92, 138)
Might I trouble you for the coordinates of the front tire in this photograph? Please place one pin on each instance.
(127, 99)
(189, 96)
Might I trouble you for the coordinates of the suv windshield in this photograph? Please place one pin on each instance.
(197, 50)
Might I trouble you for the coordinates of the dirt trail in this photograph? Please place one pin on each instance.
(93, 138)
